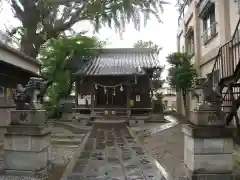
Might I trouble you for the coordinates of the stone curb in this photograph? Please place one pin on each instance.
(160, 167)
(73, 160)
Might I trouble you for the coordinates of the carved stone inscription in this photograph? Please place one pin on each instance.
(24, 117)
(212, 118)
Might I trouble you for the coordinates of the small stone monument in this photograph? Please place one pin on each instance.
(208, 143)
(67, 106)
(27, 149)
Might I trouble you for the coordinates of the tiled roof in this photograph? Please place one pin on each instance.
(123, 61)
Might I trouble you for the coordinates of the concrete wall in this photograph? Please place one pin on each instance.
(234, 15)
(207, 68)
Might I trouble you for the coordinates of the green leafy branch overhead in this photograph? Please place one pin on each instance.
(45, 19)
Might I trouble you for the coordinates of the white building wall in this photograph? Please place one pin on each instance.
(226, 17)
(207, 68)
(234, 14)
(182, 42)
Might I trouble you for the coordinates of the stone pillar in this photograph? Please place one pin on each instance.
(27, 149)
(208, 146)
(208, 152)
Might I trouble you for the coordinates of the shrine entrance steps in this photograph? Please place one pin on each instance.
(111, 152)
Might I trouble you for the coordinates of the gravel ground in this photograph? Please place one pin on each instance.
(167, 147)
(164, 141)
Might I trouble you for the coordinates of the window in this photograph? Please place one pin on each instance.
(190, 43)
(209, 24)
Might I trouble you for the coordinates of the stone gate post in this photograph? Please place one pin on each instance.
(208, 145)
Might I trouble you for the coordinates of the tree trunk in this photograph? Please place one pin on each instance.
(184, 95)
(31, 42)
(30, 45)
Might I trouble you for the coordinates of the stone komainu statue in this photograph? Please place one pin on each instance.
(30, 97)
(211, 96)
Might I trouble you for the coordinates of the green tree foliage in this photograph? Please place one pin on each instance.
(181, 74)
(45, 19)
(147, 44)
(55, 56)
(157, 82)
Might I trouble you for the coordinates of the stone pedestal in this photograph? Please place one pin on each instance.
(207, 118)
(32, 117)
(67, 116)
(208, 152)
(27, 149)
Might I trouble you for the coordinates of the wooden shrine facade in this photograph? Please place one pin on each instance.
(116, 82)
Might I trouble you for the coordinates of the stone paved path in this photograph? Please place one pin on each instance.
(111, 153)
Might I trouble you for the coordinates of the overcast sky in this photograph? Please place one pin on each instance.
(163, 34)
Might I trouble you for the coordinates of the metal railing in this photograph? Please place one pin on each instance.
(227, 64)
(227, 57)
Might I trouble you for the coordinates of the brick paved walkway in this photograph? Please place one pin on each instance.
(111, 153)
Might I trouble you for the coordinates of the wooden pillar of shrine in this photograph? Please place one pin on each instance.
(77, 83)
(92, 100)
(128, 88)
(150, 96)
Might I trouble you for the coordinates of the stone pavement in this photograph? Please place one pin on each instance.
(111, 153)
